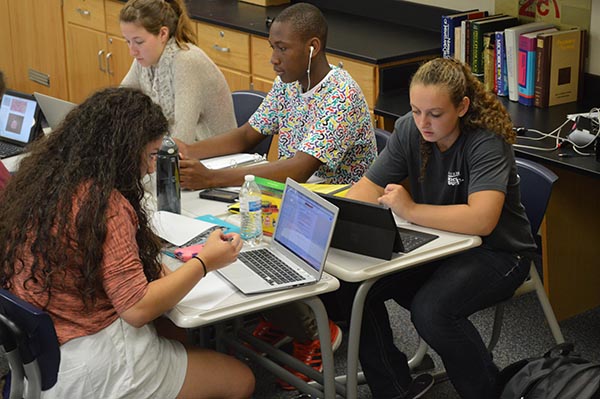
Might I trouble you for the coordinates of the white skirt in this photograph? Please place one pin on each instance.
(120, 361)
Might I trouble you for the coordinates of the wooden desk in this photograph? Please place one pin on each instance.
(571, 230)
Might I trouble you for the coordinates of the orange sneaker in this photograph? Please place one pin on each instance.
(309, 353)
(266, 332)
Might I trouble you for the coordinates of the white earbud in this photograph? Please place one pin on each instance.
(308, 69)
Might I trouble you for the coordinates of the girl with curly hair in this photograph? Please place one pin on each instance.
(454, 149)
(75, 241)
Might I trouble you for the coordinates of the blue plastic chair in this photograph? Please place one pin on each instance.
(33, 352)
(245, 103)
(381, 137)
(536, 182)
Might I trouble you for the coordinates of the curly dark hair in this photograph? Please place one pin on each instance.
(485, 110)
(100, 147)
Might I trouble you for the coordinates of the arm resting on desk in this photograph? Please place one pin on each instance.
(163, 294)
(478, 217)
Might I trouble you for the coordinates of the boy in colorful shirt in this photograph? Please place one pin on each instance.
(319, 112)
(325, 131)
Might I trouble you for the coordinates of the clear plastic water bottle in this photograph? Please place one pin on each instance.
(251, 211)
(168, 189)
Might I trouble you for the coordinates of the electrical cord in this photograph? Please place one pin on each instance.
(592, 115)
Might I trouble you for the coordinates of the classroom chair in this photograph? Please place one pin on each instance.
(29, 339)
(245, 102)
(536, 182)
(381, 137)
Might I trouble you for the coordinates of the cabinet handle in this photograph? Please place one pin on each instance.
(221, 49)
(341, 64)
(83, 12)
(100, 57)
(108, 58)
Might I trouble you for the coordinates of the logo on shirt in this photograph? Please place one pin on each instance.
(454, 178)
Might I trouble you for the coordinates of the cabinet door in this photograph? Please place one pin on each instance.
(6, 49)
(86, 60)
(261, 59)
(225, 47)
(38, 49)
(261, 84)
(364, 74)
(112, 10)
(118, 60)
(88, 13)
(236, 80)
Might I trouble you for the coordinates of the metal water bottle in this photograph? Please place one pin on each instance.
(168, 189)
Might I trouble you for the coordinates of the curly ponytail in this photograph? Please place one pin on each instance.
(485, 110)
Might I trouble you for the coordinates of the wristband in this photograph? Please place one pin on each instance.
(203, 264)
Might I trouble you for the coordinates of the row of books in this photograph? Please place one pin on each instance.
(533, 63)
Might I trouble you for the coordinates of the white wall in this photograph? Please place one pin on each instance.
(593, 65)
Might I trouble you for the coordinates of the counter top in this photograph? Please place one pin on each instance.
(369, 40)
(395, 104)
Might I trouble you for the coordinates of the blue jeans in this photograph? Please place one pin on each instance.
(440, 296)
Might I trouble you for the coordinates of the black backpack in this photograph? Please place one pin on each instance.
(559, 374)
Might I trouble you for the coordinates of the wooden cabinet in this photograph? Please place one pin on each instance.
(6, 49)
(263, 74)
(230, 50)
(97, 56)
(32, 51)
(364, 74)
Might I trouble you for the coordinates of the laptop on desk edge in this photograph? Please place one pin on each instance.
(370, 229)
(54, 109)
(301, 240)
(20, 119)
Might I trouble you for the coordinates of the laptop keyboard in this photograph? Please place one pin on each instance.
(412, 239)
(269, 267)
(8, 150)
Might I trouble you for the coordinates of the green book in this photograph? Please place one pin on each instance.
(478, 29)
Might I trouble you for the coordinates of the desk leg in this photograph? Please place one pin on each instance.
(354, 337)
(325, 337)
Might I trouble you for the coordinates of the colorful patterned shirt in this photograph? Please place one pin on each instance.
(330, 122)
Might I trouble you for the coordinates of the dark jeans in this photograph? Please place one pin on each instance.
(440, 297)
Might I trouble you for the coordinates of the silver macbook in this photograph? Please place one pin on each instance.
(54, 109)
(297, 252)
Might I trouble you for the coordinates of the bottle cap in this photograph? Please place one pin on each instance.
(249, 178)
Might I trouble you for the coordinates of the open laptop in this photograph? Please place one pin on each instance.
(370, 229)
(19, 122)
(54, 109)
(297, 252)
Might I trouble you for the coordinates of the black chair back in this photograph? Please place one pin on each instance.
(535, 183)
(381, 137)
(35, 336)
(245, 103)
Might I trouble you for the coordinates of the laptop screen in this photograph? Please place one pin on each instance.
(18, 117)
(304, 227)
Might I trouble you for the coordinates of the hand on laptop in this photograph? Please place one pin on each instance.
(397, 199)
(220, 249)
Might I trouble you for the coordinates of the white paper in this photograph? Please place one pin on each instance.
(231, 161)
(177, 229)
(208, 293)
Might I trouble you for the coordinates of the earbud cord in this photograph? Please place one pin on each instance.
(308, 70)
